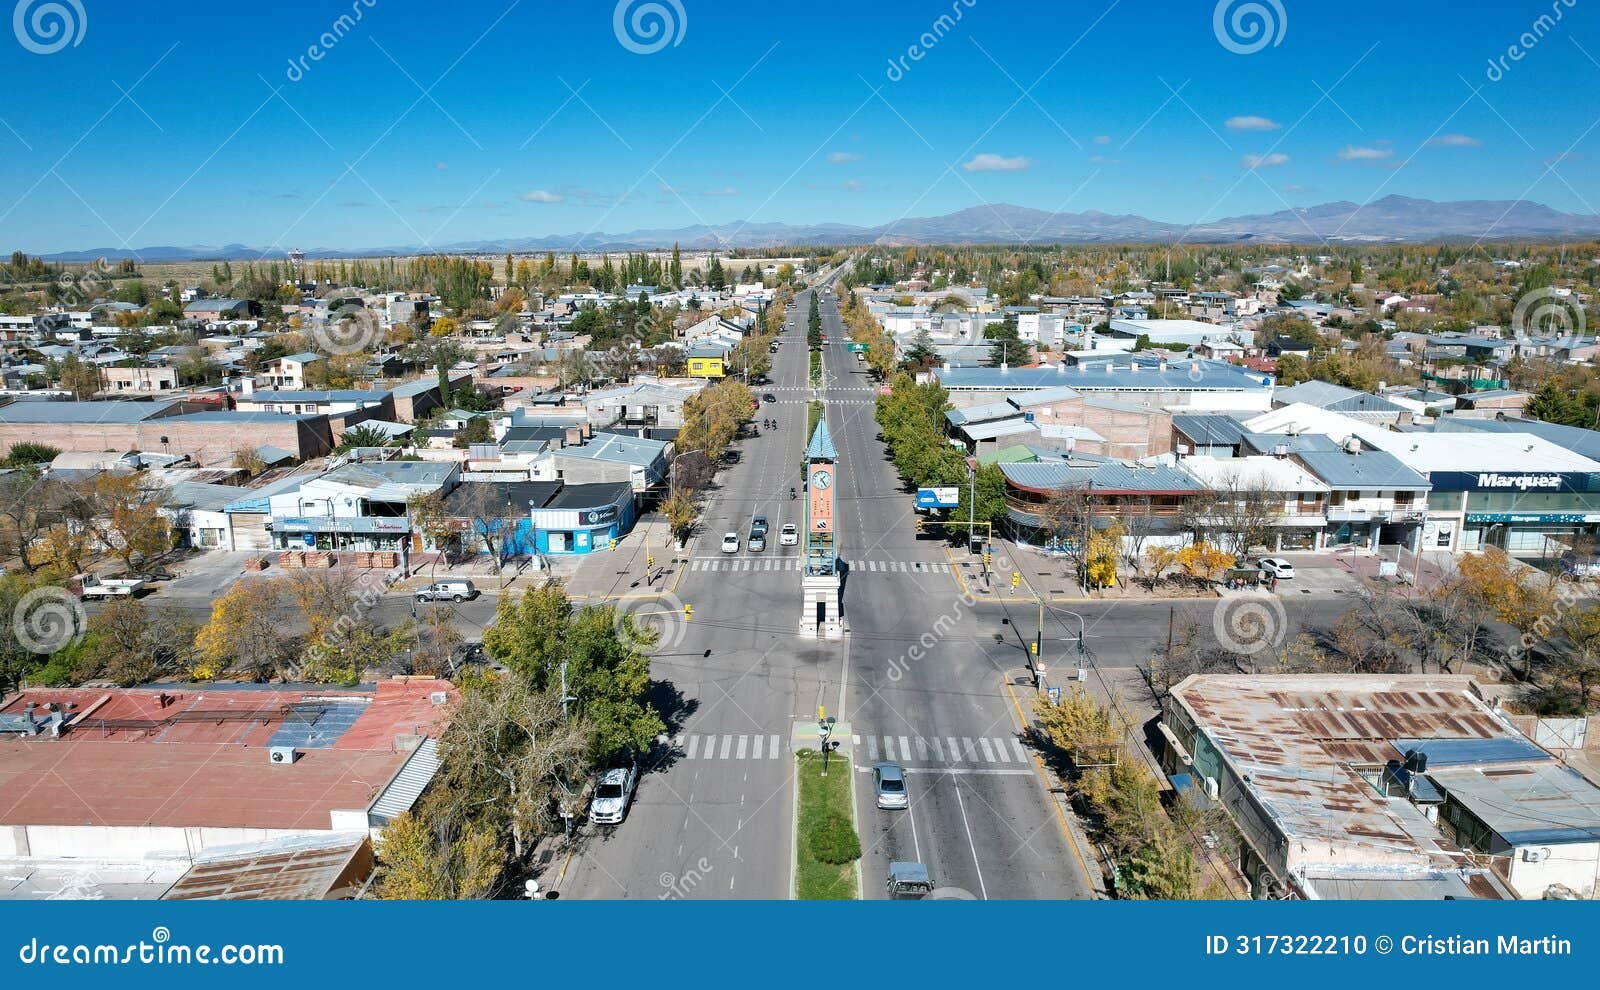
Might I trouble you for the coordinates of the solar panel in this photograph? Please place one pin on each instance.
(322, 725)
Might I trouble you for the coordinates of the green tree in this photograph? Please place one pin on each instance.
(606, 671)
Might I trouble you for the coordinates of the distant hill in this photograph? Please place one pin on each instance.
(1393, 218)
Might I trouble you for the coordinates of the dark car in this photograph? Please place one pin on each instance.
(769, 397)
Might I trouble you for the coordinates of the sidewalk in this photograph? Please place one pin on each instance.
(621, 573)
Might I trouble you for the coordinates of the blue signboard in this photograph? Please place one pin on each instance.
(938, 498)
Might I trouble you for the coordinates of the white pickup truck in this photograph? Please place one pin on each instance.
(94, 586)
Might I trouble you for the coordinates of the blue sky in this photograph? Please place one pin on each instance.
(428, 123)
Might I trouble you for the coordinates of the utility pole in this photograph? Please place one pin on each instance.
(565, 697)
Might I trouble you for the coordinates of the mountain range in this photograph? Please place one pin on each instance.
(1390, 219)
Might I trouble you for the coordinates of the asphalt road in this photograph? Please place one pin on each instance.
(712, 818)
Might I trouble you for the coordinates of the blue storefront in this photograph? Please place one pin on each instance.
(583, 518)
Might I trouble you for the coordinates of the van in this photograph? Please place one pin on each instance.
(455, 590)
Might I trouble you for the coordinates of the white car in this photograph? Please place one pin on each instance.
(789, 535)
(1276, 567)
(730, 543)
(612, 795)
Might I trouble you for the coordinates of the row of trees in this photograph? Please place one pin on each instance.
(1158, 854)
(712, 419)
(911, 420)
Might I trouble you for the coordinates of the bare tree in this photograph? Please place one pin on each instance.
(1243, 512)
(1067, 517)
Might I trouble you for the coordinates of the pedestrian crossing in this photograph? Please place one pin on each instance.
(758, 563)
(911, 751)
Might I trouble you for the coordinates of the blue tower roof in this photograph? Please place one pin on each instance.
(821, 447)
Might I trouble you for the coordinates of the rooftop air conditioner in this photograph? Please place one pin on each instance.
(1211, 788)
(438, 697)
(282, 754)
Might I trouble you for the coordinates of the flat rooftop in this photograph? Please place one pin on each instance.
(186, 756)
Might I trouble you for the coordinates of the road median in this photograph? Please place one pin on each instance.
(827, 848)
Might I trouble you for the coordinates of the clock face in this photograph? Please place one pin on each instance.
(822, 479)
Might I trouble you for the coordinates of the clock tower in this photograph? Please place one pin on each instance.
(821, 613)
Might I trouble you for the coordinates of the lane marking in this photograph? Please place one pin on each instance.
(772, 750)
(727, 744)
(988, 754)
(755, 753)
(694, 744)
(982, 888)
(1000, 751)
(743, 740)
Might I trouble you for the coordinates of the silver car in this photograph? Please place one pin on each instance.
(889, 781)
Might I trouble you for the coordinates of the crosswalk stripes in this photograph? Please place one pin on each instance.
(938, 751)
(763, 564)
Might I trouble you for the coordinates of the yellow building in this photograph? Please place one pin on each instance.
(707, 363)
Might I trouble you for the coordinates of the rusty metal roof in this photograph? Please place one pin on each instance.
(1302, 744)
(300, 868)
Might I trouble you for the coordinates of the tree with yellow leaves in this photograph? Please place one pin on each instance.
(245, 632)
(444, 326)
(1205, 562)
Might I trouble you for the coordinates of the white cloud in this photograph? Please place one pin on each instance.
(541, 196)
(997, 163)
(1250, 122)
(842, 157)
(442, 166)
(1265, 161)
(1102, 139)
(1103, 160)
(724, 191)
(1354, 153)
(852, 185)
(1454, 141)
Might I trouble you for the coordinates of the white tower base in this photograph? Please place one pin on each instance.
(821, 611)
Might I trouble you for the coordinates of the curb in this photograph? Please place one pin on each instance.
(1098, 886)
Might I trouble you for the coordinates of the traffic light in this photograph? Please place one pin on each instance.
(613, 543)
(649, 561)
(1016, 578)
(688, 612)
(1034, 647)
(919, 525)
(986, 559)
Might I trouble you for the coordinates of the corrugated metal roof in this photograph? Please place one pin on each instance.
(400, 794)
(294, 868)
(1367, 470)
(1104, 476)
(1543, 804)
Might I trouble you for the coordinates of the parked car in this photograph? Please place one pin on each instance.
(889, 781)
(94, 586)
(789, 535)
(730, 543)
(1276, 567)
(757, 542)
(455, 590)
(612, 795)
(758, 525)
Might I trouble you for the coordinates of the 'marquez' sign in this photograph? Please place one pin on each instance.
(1521, 482)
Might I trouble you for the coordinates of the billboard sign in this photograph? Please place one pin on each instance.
(938, 498)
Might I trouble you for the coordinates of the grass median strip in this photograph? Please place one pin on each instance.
(813, 417)
(827, 846)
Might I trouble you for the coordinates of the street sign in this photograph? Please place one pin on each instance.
(1055, 695)
(855, 348)
(938, 498)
